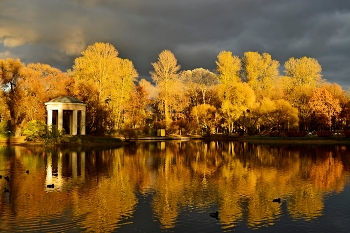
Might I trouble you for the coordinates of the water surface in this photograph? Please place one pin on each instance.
(174, 186)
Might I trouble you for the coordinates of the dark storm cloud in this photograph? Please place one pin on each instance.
(56, 31)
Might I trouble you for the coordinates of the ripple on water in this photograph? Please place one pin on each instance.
(57, 223)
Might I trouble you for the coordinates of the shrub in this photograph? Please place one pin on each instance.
(296, 133)
(34, 130)
(4, 128)
(274, 134)
(324, 133)
(129, 134)
(52, 135)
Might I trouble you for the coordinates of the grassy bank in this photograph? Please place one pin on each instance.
(282, 140)
(67, 140)
(98, 141)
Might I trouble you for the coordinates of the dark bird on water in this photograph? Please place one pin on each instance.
(277, 200)
(27, 171)
(50, 185)
(214, 215)
(7, 190)
(0, 176)
(7, 178)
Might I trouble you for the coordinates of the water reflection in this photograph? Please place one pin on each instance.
(101, 190)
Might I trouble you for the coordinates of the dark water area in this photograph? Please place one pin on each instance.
(176, 186)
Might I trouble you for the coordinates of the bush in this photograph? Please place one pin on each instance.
(296, 133)
(130, 134)
(4, 128)
(52, 135)
(34, 130)
(324, 133)
(274, 134)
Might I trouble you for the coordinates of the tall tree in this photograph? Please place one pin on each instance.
(111, 76)
(303, 71)
(10, 75)
(200, 81)
(137, 110)
(39, 84)
(238, 99)
(228, 68)
(98, 65)
(260, 71)
(323, 103)
(304, 76)
(281, 115)
(165, 75)
(206, 116)
(124, 87)
(299, 97)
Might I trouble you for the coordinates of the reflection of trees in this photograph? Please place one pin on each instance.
(241, 178)
(111, 200)
(172, 179)
(327, 174)
(306, 202)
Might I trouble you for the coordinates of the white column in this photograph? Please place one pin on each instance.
(75, 122)
(60, 119)
(49, 117)
(82, 122)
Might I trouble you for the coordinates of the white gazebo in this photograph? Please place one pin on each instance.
(67, 113)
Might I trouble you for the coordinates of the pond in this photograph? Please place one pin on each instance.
(176, 186)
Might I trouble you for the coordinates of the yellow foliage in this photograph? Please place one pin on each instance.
(228, 67)
(260, 71)
(236, 100)
(323, 103)
(113, 77)
(303, 71)
(164, 75)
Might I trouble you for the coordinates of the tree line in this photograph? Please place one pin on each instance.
(243, 94)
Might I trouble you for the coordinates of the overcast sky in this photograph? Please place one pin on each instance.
(55, 32)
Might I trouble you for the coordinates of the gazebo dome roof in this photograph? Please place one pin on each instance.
(66, 99)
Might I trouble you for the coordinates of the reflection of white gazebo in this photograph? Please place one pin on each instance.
(67, 113)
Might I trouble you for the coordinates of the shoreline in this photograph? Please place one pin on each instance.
(93, 141)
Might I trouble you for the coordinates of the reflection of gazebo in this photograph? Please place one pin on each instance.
(67, 113)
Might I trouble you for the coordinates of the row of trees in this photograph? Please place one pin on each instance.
(247, 94)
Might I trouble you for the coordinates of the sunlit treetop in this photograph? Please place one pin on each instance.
(228, 68)
(303, 71)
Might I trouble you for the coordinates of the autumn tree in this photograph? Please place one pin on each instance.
(166, 77)
(123, 87)
(39, 84)
(198, 82)
(228, 68)
(251, 119)
(206, 117)
(111, 76)
(237, 100)
(10, 74)
(260, 71)
(98, 116)
(323, 103)
(281, 116)
(137, 110)
(303, 71)
(337, 92)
